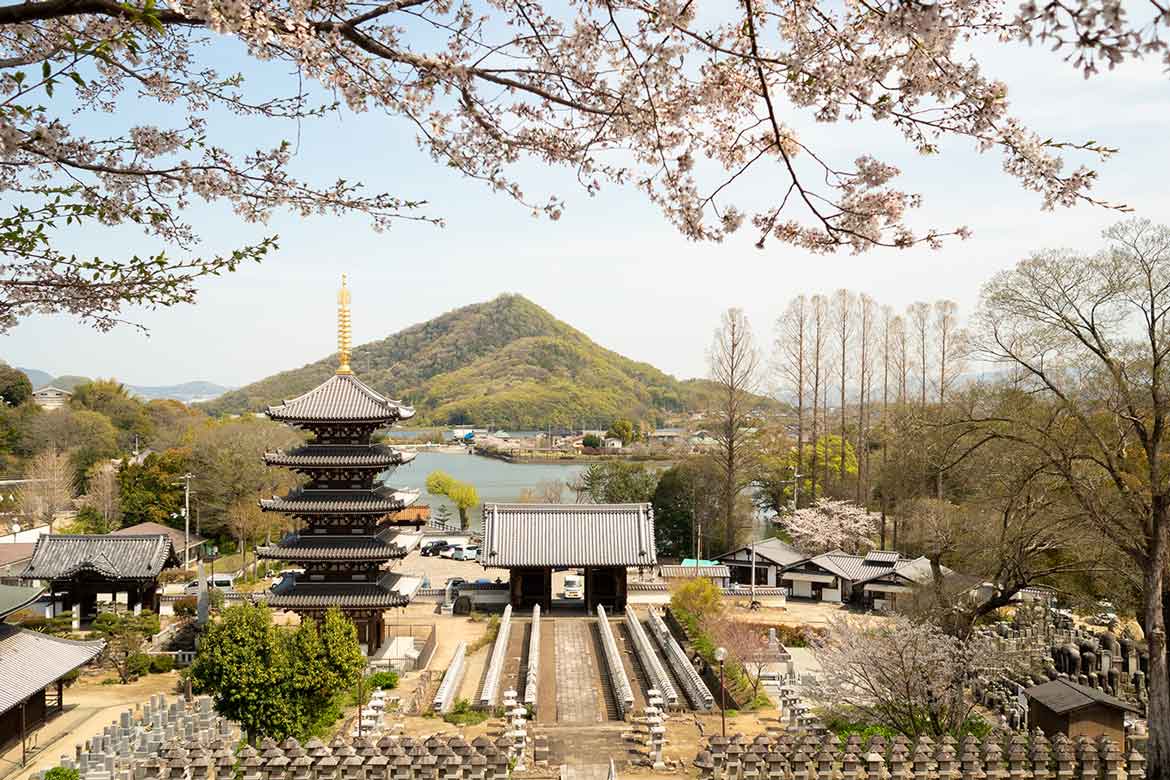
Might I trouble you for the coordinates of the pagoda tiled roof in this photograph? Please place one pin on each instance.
(336, 547)
(308, 501)
(345, 595)
(339, 456)
(342, 398)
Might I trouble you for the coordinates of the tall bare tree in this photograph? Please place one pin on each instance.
(51, 486)
(889, 320)
(948, 339)
(792, 331)
(844, 325)
(735, 367)
(867, 315)
(918, 318)
(818, 339)
(102, 496)
(1092, 336)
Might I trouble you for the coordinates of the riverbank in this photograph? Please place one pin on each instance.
(567, 457)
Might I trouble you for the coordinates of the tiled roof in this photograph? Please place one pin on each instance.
(379, 501)
(858, 568)
(16, 597)
(568, 535)
(61, 556)
(341, 398)
(339, 456)
(1063, 696)
(335, 547)
(322, 595)
(30, 661)
(774, 550)
(694, 571)
(882, 557)
(177, 535)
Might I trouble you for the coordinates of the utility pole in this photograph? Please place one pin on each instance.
(187, 519)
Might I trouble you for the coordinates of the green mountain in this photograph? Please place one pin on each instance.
(506, 363)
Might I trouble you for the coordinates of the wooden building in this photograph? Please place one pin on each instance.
(1065, 707)
(534, 540)
(187, 546)
(50, 398)
(771, 556)
(31, 667)
(80, 570)
(351, 526)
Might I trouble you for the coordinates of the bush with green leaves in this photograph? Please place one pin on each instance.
(62, 773)
(186, 607)
(382, 680)
(463, 714)
(126, 635)
(161, 664)
(277, 681)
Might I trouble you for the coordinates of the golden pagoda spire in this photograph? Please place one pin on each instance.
(344, 333)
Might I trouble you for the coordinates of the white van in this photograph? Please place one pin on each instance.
(573, 587)
(465, 553)
(221, 581)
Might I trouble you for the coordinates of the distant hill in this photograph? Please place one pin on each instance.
(506, 363)
(187, 392)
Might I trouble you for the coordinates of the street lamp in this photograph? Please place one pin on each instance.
(186, 481)
(721, 656)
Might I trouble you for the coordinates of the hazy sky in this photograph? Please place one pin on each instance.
(611, 266)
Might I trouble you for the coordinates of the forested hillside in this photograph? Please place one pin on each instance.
(505, 363)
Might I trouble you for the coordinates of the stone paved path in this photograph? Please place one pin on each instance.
(585, 772)
(576, 674)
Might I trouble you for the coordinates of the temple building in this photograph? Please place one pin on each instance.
(350, 524)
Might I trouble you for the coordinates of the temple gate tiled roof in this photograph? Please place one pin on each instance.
(14, 598)
(125, 557)
(30, 661)
(518, 535)
(341, 398)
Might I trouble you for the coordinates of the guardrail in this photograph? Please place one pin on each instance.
(445, 696)
(623, 694)
(659, 679)
(693, 686)
(491, 682)
(533, 674)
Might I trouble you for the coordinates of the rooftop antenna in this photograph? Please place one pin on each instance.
(344, 331)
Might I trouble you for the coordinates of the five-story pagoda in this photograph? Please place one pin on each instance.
(348, 531)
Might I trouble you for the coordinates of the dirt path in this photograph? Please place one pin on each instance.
(639, 683)
(546, 700)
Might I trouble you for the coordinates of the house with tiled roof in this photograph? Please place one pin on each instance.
(768, 556)
(875, 580)
(80, 570)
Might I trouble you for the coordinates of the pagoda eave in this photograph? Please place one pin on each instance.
(314, 554)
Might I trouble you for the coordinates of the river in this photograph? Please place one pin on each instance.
(496, 481)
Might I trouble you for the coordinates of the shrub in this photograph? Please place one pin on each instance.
(61, 773)
(138, 665)
(161, 664)
(186, 606)
(489, 636)
(699, 598)
(462, 714)
(383, 680)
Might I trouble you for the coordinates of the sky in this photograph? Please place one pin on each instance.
(611, 266)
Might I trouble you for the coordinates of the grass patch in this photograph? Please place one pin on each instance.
(489, 635)
(463, 714)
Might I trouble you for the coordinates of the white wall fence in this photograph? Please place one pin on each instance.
(533, 674)
(490, 693)
(692, 684)
(648, 657)
(445, 696)
(623, 694)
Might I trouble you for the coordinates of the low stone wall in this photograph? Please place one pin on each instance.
(489, 695)
(648, 657)
(445, 696)
(532, 676)
(803, 756)
(623, 694)
(693, 687)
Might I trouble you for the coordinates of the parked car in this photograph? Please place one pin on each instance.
(448, 551)
(220, 581)
(573, 587)
(455, 582)
(465, 552)
(434, 548)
